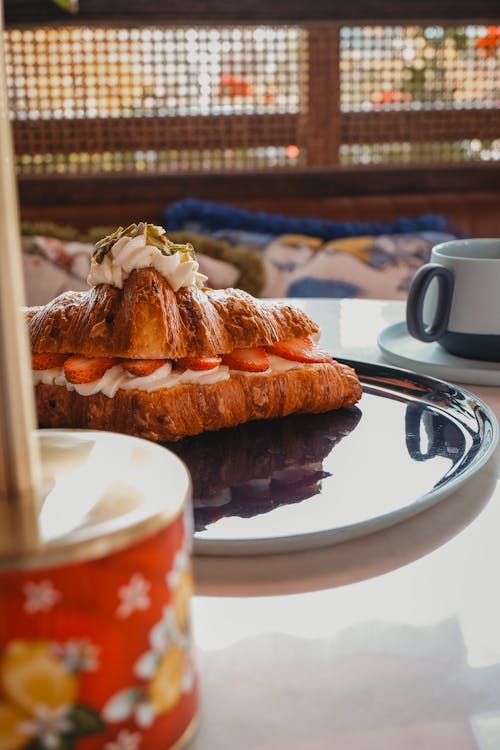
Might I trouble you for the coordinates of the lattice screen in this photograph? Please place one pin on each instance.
(419, 94)
(195, 99)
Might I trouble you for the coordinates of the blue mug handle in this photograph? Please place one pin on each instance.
(416, 299)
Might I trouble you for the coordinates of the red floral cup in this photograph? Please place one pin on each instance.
(97, 653)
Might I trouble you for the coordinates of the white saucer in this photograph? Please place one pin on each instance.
(401, 349)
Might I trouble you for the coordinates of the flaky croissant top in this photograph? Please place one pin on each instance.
(147, 319)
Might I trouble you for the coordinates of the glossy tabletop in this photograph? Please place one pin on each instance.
(390, 641)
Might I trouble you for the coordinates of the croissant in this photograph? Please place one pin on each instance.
(147, 319)
(149, 351)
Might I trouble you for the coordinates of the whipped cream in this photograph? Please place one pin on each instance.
(130, 253)
(279, 364)
(54, 376)
(109, 384)
(116, 378)
(276, 364)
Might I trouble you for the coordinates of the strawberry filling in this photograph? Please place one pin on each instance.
(248, 360)
(299, 350)
(141, 368)
(47, 361)
(199, 363)
(80, 370)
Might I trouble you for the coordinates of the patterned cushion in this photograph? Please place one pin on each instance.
(342, 259)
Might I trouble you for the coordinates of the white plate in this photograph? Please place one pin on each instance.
(312, 480)
(401, 349)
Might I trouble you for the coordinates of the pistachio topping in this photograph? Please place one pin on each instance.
(139, 246)
(155, 237)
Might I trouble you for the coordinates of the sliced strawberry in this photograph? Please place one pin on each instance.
(80, 370)
(199, 363)
(249, 360)
(142, 367)
(47, 361)
(299, 350)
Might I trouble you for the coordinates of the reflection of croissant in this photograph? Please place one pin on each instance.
(148, 320)
(254, 468)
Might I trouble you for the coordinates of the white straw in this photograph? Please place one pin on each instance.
(19, 455)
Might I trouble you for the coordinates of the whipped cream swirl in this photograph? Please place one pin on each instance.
(129, 253)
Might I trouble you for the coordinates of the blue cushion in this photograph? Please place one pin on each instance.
(310, 287)
(208, 216)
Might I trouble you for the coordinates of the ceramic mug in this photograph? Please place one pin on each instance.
(455, 299)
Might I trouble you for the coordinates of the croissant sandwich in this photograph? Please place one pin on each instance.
(150, 351)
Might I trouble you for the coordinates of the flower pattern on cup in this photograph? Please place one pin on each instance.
(134, 596)
(78, 655)
(48, 725)
(40, 597)
(125, 740)
(39, 687)
(46, 700)
(166, 669)
(180, 582)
